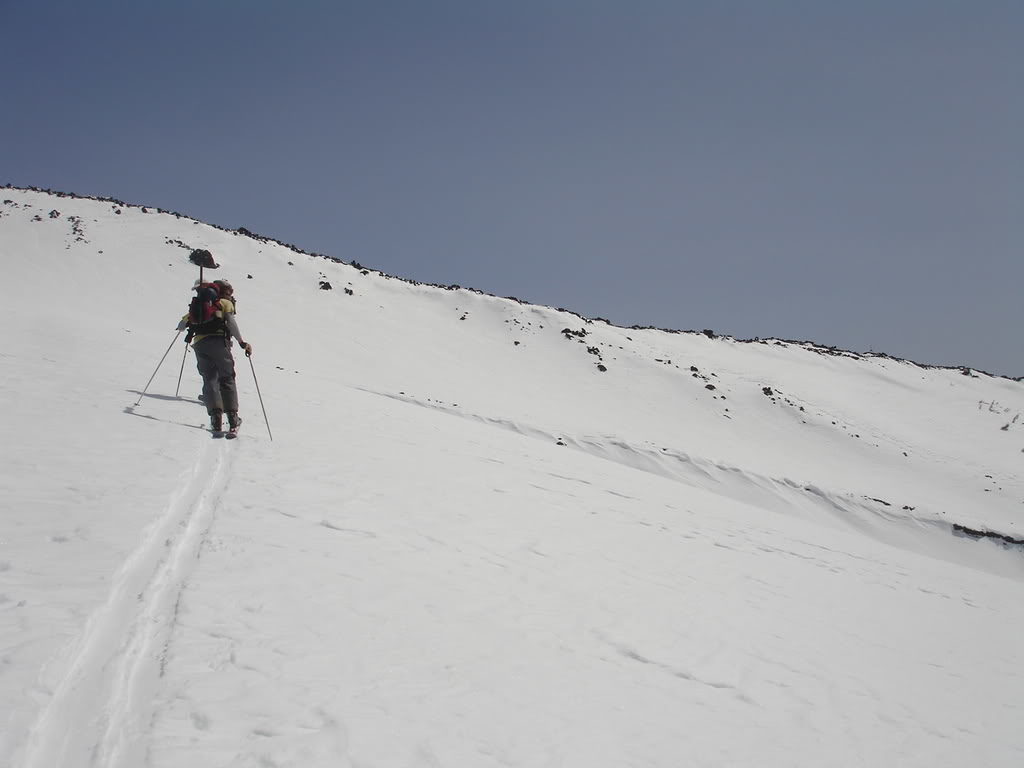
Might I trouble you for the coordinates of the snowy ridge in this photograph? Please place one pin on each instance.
(487, 533)
(812, 346)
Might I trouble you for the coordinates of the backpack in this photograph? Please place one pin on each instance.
(202, 311)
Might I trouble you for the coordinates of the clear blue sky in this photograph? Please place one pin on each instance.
(846, 172)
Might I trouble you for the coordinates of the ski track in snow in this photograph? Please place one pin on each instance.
(100, 711)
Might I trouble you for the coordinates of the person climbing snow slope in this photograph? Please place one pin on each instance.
(212, 324)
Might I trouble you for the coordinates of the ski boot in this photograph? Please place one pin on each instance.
(234, 422)
(217, 423)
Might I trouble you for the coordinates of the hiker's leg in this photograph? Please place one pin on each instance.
(209, 369)
(199, 367)
(228, 392)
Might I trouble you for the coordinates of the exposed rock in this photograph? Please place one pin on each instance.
(974, 533)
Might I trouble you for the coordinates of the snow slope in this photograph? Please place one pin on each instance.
(467, 545)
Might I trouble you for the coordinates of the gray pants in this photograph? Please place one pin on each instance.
(217, 367)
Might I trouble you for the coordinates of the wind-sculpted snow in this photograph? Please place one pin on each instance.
(468, 544)
(871, 516)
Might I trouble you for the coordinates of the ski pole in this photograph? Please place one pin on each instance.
(178, 388)
(261, 398)
(143, 394)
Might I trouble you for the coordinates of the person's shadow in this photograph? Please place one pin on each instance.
(130, 409)
(175, 398)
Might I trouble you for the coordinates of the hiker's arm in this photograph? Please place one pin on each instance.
(232, 324)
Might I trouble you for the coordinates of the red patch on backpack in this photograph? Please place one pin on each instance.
(203, 306)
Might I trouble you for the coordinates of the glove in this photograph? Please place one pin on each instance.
(247, 348)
